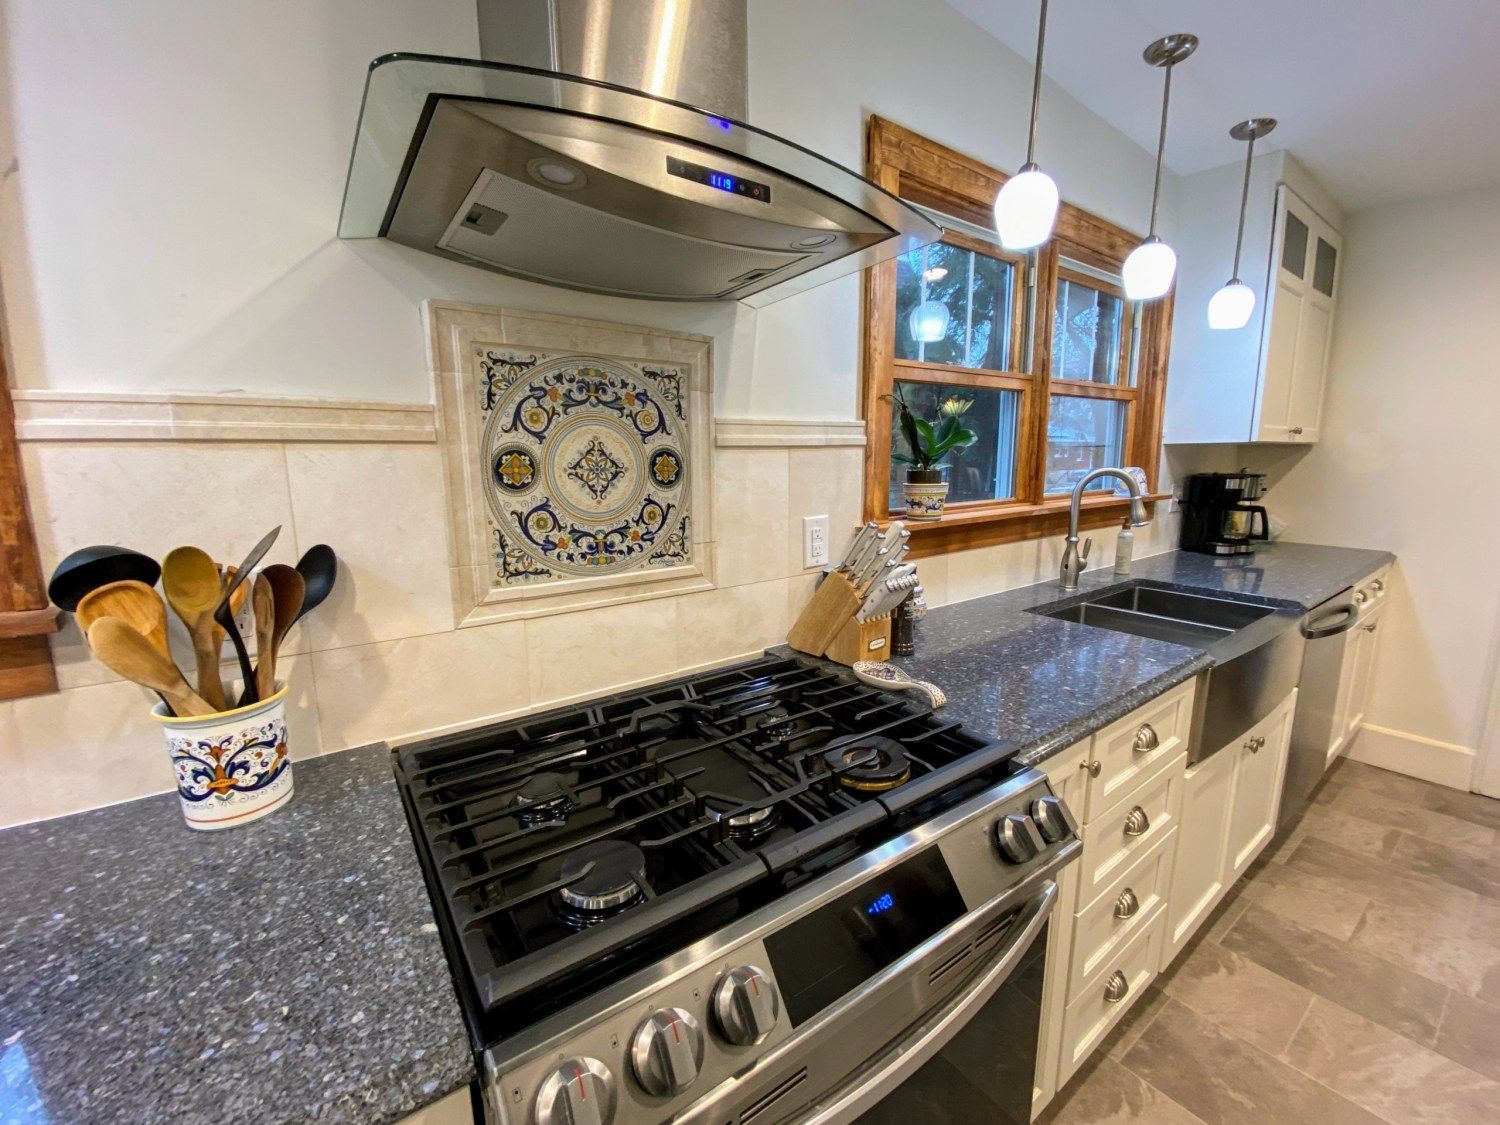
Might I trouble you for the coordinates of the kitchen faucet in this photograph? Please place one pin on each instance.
(1074, 559)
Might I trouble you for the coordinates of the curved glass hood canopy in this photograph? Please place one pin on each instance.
(593, 186)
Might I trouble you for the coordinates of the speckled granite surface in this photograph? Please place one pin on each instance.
(284, 971)
(291, 970)
(1045, 683)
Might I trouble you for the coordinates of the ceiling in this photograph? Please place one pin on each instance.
(1381, 99)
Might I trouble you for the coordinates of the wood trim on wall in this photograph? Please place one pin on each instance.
(25, 617)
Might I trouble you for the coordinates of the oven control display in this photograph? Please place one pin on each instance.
(723, 181)
(833, 950)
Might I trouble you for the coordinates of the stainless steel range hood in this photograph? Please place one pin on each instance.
(607, 178)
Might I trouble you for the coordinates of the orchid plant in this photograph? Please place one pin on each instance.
(928, 444)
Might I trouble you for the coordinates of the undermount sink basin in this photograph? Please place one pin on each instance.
(1194, 620)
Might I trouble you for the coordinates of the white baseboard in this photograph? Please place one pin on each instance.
(1443, 763)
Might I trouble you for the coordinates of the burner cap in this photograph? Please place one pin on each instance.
(871, 764)
(615, 880)
(748, 824)
(541, 799)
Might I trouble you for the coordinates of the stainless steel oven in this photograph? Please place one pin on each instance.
(904, 986)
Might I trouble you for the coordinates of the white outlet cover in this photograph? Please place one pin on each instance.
(814, 541)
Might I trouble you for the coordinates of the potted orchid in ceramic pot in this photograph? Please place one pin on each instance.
(928, 445)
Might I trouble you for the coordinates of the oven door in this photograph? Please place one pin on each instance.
(972, 1059)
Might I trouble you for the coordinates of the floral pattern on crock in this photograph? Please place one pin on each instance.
(243, 762)
(586, 470)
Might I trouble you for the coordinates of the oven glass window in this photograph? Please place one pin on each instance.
(837, 947)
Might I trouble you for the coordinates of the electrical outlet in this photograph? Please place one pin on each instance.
(814, 541)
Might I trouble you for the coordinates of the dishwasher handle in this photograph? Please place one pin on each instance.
(1338, 620)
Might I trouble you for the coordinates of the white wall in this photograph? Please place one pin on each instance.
(1407, 455)
(176, 171)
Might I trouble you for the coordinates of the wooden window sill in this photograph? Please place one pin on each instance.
(963, 529)
(29, 622)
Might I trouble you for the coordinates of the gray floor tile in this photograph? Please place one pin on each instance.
(1387, 1073)
(1106, 1093)
(1443, 953)
(1310, 900)
(1388, 994)
(1133, 1025)
(1473, 869)
(1470, 1034)
(1240, 995)
(1382, 882)
(1362, 776)
(1226, 1081)
(1465, 806)
(1392, 812)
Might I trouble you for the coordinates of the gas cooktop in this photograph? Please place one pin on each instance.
(569, 849)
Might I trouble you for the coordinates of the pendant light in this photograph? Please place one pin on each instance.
(1232, 305)
(1026, 207)
(1149, 269)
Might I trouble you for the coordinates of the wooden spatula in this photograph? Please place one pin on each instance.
(134, 603)
(191, 582)
(287, 591)
(127, 653)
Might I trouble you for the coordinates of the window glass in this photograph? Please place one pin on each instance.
(1083, 434)
(1324, 266)
(1086, 333)
(954, 306)
(1294, 246)
(984, 471)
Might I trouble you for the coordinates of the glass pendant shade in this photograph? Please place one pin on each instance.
(929, 322)
(1026, 209)
(1149, 270)
(1231, 306)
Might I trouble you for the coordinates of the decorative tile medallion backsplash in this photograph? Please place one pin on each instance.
(578, 459)
(587, 472)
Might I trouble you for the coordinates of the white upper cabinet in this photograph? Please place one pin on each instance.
(1263, 382)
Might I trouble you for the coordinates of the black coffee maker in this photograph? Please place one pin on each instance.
(1216, 518)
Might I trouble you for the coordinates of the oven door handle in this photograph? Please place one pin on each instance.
(935, 1033)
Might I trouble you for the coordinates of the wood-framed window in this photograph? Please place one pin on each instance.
(1062, 372)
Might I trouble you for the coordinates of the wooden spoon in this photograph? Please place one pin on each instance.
(127, 653)
(263, 604)
(191, 582)
(287, 590)
(134, 603)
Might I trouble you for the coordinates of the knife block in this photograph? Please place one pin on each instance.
(827, 627)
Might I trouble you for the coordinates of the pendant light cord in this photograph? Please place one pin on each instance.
(1161, 147)
(1036, 87)
(1239, 234)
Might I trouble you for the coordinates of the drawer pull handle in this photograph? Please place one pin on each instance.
(1092, 767)
(1116, 988)
(1137, 822)
(1146, 738)
(1127, 905)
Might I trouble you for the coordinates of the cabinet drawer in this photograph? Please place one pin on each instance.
(1120, 911)
(1130, 749)
(1092, 1013)
(1131, 827)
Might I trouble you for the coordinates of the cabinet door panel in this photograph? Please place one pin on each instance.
(1259, 770)
(1281, 352)
(1309, 369)
(1362, 666)
(1198, 872)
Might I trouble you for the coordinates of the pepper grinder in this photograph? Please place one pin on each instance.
(904, 624)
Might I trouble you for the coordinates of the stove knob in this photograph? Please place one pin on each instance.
(745, 1005)
(579, 1092)
(1053, 819)
(1018, 838)
(666, 1052)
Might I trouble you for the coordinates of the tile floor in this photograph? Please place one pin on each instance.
(1352, 976)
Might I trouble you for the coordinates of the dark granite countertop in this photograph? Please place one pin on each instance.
(1044, 684)
(291, 969)
(284, 971)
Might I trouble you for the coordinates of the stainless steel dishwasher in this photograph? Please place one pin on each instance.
(1314, 731)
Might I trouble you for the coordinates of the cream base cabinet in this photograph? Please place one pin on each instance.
(1230, 803)
(1067, 774)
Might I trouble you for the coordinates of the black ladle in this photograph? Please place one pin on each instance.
(319, 568)
(224, 615)
(88, 568)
